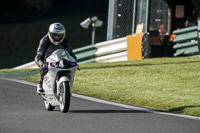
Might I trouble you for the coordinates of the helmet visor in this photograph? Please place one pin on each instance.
(57, 37)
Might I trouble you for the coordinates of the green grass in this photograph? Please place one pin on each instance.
(19, 74)
(169, 84)
(16, 70)
(153, 61)
(171, 87)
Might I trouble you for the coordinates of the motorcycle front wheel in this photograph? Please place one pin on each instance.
(48, 106)
(64, 97)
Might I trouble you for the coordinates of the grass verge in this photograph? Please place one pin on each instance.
(169, 84)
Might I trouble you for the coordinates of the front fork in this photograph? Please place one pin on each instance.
(58, 83)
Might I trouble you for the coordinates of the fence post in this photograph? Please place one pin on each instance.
(145, 42)
(111, 19)
(198, 33)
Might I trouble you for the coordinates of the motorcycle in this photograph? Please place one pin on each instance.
(58, 81)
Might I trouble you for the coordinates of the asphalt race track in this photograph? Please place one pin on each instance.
(22, 111)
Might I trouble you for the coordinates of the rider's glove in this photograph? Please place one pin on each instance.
(40, 63)
(45, 68)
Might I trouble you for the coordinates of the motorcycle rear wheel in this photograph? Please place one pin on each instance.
(64, 97)
(48, 106)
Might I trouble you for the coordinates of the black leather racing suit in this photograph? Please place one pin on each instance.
(46, 48)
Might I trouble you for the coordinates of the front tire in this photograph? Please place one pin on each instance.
(64, 96)
(48, 106)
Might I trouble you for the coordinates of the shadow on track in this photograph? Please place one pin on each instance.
(180, 109)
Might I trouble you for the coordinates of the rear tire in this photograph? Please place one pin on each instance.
(48, 106)
(64, 97)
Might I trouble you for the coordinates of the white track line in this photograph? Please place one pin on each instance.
(117, 104)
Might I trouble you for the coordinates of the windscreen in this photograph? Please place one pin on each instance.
(58, 55)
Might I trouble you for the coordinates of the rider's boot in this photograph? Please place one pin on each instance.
(40, 90)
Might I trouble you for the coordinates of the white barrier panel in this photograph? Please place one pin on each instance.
(122, 56)
(29, 65)
(110, 47)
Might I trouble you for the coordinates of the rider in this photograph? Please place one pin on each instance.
(55, 39)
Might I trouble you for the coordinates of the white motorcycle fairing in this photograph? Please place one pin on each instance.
(61, 71)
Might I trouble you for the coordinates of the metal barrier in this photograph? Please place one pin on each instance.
(108, 51)
(85, 54)
(186, 41)
(114, 50)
